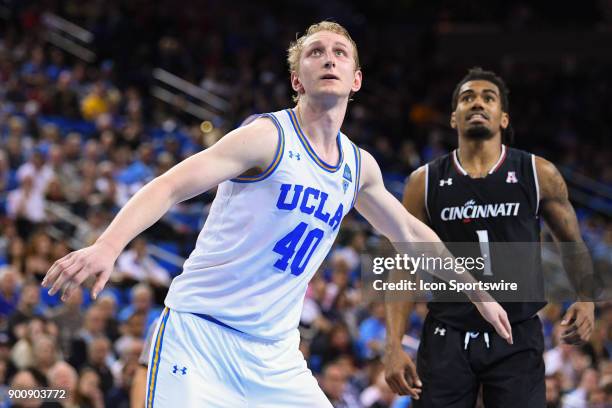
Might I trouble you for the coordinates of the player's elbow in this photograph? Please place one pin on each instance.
(165, 190)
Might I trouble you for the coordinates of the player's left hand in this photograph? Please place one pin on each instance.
(495, 314)
(578, 321)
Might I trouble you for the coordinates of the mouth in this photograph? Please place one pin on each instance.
(477, 117)
(329, 76)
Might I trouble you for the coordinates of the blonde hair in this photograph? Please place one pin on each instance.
(295, 48)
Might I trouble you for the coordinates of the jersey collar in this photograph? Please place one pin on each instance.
(497, 165)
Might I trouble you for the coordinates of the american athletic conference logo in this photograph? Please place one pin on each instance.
(470, 210)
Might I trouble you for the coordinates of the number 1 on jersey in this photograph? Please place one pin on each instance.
(483, 238)
(286, 247)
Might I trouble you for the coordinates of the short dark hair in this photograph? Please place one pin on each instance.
(479, 74)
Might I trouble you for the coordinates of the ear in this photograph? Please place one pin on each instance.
(357, 81)
(453, 121)
(505, 120)
(296, 84)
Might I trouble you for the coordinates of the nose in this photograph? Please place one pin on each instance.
(477, 104)
(330, 62)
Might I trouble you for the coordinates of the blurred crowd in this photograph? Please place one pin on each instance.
(78, 139)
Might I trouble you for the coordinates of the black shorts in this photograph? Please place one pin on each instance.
(452, 367)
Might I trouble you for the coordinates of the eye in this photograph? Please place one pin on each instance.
(466, 98)
(340, 52)
(315, 52)
(489, 98)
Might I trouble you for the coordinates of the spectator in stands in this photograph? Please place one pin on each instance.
(38, 170)
(88, 393)
(379, 395)
(93, 326)
(9, 293)
(27, 307)
(96, 102)
(62, 376)
(15, 253)
(141, 302)
(119, 395)
(339, 280)
(22, 353)
(579, 398)
(38, 255)
(69, 317)
(372, 332)
(107, 304)
(28, 379)
(8, 368)
(99, 359)
(26, 206)
(334, 385)
(137, 265)
(45, 352)
(328, 347)
(8, 180)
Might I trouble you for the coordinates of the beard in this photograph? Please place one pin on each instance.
(479, 132)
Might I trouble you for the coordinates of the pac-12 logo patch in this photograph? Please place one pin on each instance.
(511, 177)
(345, 185)
(347, 173)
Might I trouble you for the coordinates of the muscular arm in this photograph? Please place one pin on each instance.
(248, 147)
(561, 218)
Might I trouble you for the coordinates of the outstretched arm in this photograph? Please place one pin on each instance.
(400, 370)
(245, 148)
(561, 219)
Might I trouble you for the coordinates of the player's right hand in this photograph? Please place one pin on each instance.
(401, 373)
(493, 313)
(73, 269)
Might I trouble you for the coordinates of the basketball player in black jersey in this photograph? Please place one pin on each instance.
(459, 352)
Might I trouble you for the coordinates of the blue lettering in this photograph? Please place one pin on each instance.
(337, 218)
(323, 216)
(297, 191)
(307, 193)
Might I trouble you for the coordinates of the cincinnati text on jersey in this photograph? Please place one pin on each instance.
(471, 210)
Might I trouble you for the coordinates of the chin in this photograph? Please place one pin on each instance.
(331, 93)
(479, 132)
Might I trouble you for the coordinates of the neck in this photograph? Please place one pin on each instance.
(477, 157)
(321, 121)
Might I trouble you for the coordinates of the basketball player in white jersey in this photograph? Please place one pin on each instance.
(228, 336)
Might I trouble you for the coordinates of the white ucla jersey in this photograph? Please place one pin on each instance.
(266, 236)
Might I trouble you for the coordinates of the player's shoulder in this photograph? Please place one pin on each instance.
(261, 124)
(545, 169)
(259, 132)
(550, 180)
(418, 176)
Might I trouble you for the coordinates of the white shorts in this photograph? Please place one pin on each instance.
(198, 363)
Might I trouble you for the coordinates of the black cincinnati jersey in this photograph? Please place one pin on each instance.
(501, 207)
